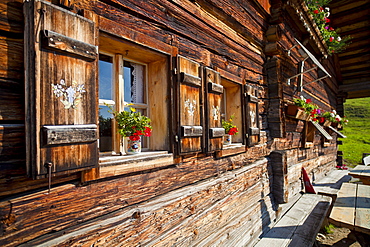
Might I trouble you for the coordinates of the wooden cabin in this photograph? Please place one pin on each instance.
(64, 177)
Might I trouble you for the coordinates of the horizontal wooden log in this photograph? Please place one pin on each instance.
(11, 100)
(12, 146)
(11, 18)
(103, 196)
(11, 67)
(16, 182)
(209, 206)
(204, 34)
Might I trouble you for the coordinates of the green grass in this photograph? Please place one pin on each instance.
(328, 229)
(357, 131)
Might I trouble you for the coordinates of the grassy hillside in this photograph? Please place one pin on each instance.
(357, 131)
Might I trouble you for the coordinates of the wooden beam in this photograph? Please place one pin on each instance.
(355, 87)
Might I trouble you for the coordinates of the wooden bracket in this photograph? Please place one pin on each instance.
(61, 43)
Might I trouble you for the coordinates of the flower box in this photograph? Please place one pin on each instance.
(324, 122)
(327, 123)
(297, 112)
(336, 125)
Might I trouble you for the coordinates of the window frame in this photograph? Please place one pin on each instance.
(118, 102)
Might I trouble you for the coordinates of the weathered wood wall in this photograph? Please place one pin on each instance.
(194, 199)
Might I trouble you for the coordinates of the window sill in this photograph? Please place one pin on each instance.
(231, 149)
(118, 165)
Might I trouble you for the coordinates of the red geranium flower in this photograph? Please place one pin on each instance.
(147, 131)
(308, 100)
(233, 131)
(134, 138)
(315, 11)
(331, 39)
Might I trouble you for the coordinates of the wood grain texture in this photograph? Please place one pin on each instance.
(301, 223)
(101, 198)
(64, 71)
(214, 90)
(184, 216)
(11, 19)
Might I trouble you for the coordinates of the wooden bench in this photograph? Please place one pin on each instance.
(302, 220)
(300, 224)
(352, 210)
(361, 172)
(331, 183)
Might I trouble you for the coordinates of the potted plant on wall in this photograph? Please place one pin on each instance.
(332, 118)
(302, 109)
(230, 130)
(132, 125)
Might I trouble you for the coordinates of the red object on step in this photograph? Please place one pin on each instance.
(307, 183)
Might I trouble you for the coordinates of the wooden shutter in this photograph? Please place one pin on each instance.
(308, 135)
(214, 91)
(61, 61)
(252, 115)
(189, 92)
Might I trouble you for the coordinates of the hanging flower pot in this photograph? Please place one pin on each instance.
(297, 112)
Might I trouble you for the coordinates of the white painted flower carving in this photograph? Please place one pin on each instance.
(216, 113)
(190, 105)
(253, 117)
(70, 96)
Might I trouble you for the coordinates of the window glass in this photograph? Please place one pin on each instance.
(105, 97)
(134, 78)
(105, 77)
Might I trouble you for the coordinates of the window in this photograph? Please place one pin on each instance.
(309, 134)
(118, 95)
(129, 74)
(231, 106)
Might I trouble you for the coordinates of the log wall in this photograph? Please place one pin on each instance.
(199, 199)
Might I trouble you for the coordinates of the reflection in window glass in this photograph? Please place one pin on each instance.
(105, 93)
(105, 77)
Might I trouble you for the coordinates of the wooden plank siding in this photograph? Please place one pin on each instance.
(190, 194)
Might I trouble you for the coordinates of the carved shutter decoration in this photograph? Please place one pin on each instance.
(61, 65)
(214, 91)
(190, 84)
(252, 115)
